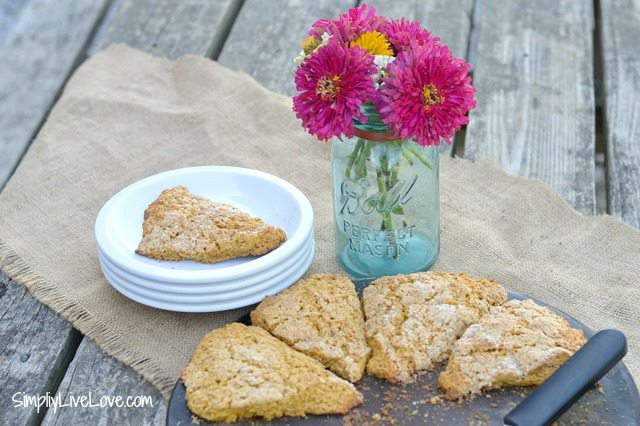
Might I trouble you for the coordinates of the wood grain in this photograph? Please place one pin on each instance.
(266, 37)
(164, 28)
(167, 28)
(36, 346)
(620, 38)
(448, 19)
(534, 79)
(92, 367)
(41, 42)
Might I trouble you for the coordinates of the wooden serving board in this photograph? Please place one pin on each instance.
(614, 401)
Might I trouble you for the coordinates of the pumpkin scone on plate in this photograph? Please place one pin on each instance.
(322, 317)
(240, 371)
(179, 225)
(518, 344)
(412, 321)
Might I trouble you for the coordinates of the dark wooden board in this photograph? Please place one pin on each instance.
(614, 402)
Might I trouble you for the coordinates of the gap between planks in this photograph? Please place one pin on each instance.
(600, 154)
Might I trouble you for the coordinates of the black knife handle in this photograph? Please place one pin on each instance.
(570, 381)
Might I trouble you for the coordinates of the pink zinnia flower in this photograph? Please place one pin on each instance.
(402, 34)
(427, 94)
(350, 24)
(322, 26)
(332, 84)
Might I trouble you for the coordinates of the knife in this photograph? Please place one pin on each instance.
(564, 387)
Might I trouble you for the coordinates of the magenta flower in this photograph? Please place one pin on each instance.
(350, 24)
(402, 34)
(332, 84)
(322, 26)
(427, 94)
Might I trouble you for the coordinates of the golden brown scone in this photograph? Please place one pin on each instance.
(320, 316)
(413, 320)
(240, 371)
(181, 226)
(517, 344)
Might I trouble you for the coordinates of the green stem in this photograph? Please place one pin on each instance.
(407, 156)
(384, 185)
(417, 154)
(353, 156)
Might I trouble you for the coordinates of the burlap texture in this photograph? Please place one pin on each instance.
(126, 115)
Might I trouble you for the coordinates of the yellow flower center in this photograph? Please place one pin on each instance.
(373, 42)
(327, 88)
(430, 96)
(310, 44)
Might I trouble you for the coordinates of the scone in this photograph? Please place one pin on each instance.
(412, 321)
(181, 226)
(517, 344)
(240, 371)
(322, 317)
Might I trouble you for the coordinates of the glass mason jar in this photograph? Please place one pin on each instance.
(386, 202)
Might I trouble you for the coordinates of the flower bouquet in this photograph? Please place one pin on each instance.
(386, 91)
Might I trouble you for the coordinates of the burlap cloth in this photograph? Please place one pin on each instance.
(126, 115)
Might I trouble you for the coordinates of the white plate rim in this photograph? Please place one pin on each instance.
(191, 308)
(290, 246)
(213, 288)
(202, 298)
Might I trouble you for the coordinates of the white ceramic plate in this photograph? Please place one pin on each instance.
(232, 287)
(118, 227)
(205, 298)
(214, 306)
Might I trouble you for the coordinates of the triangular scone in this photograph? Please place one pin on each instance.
(322, 317)
(240, 371)
(181, 226)
(413, 320)
(517, 344)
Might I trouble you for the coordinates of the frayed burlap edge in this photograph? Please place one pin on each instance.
(46, 292)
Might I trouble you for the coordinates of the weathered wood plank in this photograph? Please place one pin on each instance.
(266, 37)
(91, 365)
(36, 346)
(168, 28)
(41, 41)
(448, 19)
(533, 66)
(620, 37)
(164, 28)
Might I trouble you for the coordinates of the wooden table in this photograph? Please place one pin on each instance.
(558, 99)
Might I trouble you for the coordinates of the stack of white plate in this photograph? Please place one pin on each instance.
(187, 286)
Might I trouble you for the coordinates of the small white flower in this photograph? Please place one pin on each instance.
(299, 58)
(381, 62)
(324, 40)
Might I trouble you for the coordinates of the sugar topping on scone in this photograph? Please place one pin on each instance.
(517, 344)
(240, 372)
(179, 225)
(412, 321)
(322, 317)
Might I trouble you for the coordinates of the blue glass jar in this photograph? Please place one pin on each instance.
(386, 202)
